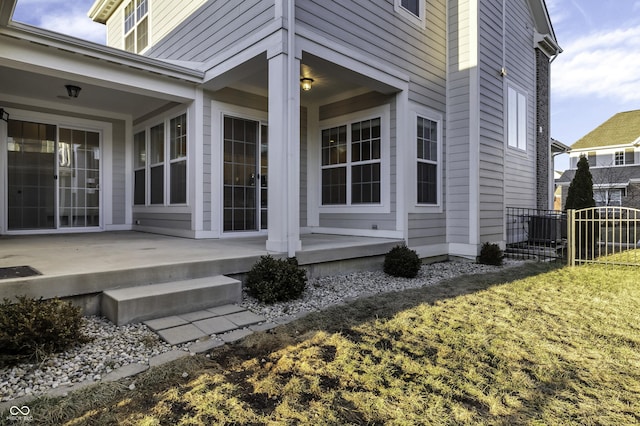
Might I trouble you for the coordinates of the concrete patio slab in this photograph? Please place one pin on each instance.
(181, 334)
(166, 322)
(215, 325)
(167, 357)
(245, 318)
(236, 335)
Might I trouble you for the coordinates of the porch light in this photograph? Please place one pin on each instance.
(4, 115)
(306, 83)
(73, 91)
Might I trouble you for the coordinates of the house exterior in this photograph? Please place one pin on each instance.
(613, 151)
(424, 120)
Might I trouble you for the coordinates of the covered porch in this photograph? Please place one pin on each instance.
(81, 266)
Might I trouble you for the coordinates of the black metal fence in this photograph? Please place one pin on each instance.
(536, 234)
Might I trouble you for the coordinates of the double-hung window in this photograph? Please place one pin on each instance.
(427, 150)
(136, 26)
(160, 163)
(516, 118)
(351, 163)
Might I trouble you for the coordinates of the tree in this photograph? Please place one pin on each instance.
(580, 194)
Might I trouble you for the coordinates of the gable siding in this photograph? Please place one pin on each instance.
(115, 29)
(165, 16)
(216, 26)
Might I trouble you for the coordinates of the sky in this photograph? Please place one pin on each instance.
(596, 76)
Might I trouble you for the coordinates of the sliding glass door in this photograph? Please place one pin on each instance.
(53, 178)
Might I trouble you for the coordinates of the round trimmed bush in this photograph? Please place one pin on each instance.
(401, 261)
(276, 280)
(31, 329)
(491, 254)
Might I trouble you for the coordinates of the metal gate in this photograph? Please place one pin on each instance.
(609, 235)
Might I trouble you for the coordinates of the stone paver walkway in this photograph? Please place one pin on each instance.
(228, 322)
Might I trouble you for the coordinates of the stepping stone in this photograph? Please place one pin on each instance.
(166, 322)
(235, 335)
(205, 346)
(226, 309)
(215, 325)
(181, 334)
(197, 315)
(165, 357)
(245, 318)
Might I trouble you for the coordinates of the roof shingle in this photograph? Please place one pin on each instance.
(623, 128)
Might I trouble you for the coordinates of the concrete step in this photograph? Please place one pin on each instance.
(140, 303)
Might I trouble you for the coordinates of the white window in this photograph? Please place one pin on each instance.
(412, 10)
(354, 162)
(155, 147)
(516, 118)
(136, 26)
(608, 197)
(351, 163)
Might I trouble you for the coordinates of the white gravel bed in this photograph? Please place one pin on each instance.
(321, 293)
(116, 346)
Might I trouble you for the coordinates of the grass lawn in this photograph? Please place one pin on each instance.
(529, 345)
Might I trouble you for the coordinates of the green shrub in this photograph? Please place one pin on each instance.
(491, 254)
(401, 261)
(276, 280)
(31, 328)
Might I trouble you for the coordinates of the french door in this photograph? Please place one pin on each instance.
(53, 177)
(245, 175)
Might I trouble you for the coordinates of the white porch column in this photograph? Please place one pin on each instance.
(284, 155)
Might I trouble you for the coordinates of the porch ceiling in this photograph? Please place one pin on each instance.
(330, 81)
(51, 89)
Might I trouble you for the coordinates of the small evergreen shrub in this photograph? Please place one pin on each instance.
(490, 254)
(276, 280)
(31, 328)
(401, 261)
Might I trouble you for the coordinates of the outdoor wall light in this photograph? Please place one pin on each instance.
(73, 91)
(4, 115)
(306, 83)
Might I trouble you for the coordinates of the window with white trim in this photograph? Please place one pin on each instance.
(351, 164)
(154, 148)
(412, 10)
(136, 26)
(516, 118)
(427, 138)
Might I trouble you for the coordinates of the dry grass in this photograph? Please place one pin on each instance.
(532, 345)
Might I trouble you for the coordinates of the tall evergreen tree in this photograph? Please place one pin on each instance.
(580, 195)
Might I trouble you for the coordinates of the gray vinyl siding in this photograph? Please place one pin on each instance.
(426, 229)
(216, 26)
(458, 126)
(174, 221)
(395, 42)
(520, 167)
(507, 175)
(383, 221)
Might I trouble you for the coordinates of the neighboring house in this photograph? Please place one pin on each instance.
(423, 120)
(613, 151)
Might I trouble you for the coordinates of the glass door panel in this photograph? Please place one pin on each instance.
(240, 175)
(79, 178)
(264, 162)
(31, 175)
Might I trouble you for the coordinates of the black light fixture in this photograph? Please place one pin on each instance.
(73, 91)
(4, 115)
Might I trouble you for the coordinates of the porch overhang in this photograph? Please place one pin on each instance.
(37, 64)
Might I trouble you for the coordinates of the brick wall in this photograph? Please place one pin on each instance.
(542, 130)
